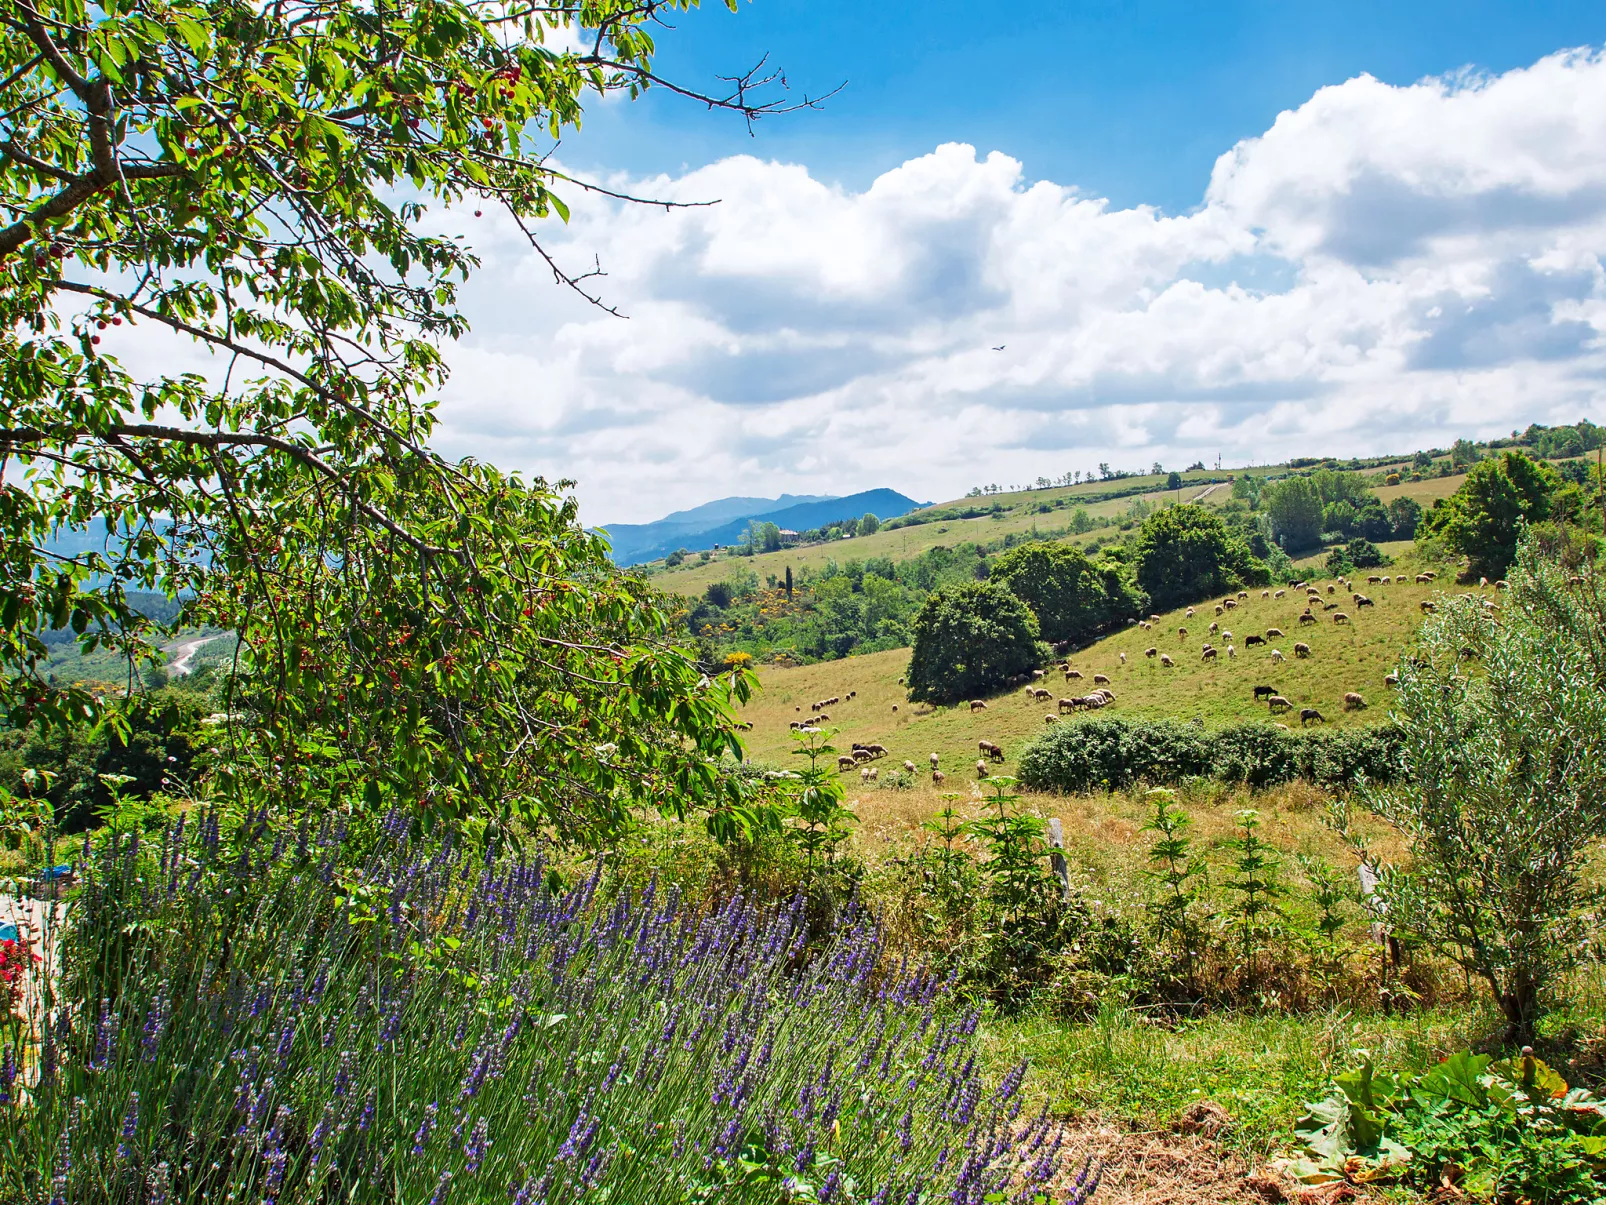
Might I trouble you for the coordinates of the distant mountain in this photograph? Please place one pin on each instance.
(637, 542)
(883, 504)
(714, 523)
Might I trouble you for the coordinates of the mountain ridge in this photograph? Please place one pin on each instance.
(633, 543)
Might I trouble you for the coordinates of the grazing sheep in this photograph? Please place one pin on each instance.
(1280, 593)
(1230, 604)
(864, 774)
(1073, 675)
(822, 717)
(1067, 705)
(1036, 674)
(1165, 660)
(1145, 625)
(988, 749)
(1027, 691)
(933, 761)
(1188, 614)
(1100, 680)
(1307, 714)
(1306, 617)
(1042, 696)
(1277, 656)
(877, 750)
(862, 755)
(1340, 617)
(1220, 610)
(981, 769)
(1430, 575)
(872, 772)
(1423, 579)
(1374, 580)
(1123, 658)
(1302, 650)
(1276, 702)
(1231, 652)
(1332, 589)
(977, 705)
(1253, 639)
(1215, 627)
(1209, 655)
(1362, 601)
(1226, 635)
(1182, 633)
(1353, 701)
(1151, 652)
(1284, 727)
(937, 777)
(1264, 692)
(844, 763)
(1154, 619)
(908, 767)
(1265, 594)
(1426, 606)
(1391, 679)
(894, 707)
(1051, 718)
(1273, 633)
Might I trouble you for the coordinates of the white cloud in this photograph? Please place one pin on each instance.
(1385, 268)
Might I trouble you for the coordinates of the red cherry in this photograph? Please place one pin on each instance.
(117, 322)
(476, 213)
(94, 338)
(100, 325)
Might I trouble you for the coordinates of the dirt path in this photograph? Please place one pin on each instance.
(1207, 491)
(1166, 1168)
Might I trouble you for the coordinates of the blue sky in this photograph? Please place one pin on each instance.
(1241, 230)
(1128, 100)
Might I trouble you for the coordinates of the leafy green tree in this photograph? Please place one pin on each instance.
(969, 640)
(1363, 554)
(1295, 510)
(1173, 480)
(1246, 487)
(869, 525)
(1503, 718)
(1073, 597)
(254, 181)
(1404, 515)
(1483, 518)
(1185, 553)
(1463, 453)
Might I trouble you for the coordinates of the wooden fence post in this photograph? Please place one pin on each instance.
(1056, 856)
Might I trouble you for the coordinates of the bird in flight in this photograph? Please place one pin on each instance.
(1000, 347)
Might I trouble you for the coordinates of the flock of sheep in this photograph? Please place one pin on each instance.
(1318, 605)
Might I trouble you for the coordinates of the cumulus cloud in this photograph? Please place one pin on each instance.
(1384, 268)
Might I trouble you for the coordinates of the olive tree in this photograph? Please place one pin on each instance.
(252, 180)
(1502, 714)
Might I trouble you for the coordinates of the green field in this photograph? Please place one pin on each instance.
(1345, 657)
(1022, 512)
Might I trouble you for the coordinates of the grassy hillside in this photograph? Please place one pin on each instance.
(1043, 510)
(1345, 657)
(1046, 511)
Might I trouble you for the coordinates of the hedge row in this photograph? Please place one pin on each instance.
(1109, 754)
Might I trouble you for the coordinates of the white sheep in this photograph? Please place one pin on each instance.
(1277, 656)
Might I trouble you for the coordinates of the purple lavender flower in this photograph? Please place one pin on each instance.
(130, 1127)
(442, 1187)
(105, 1038)
(8, 1074)
(479, 1141)
(830, 1186)
(157, 1184)
(425, 1128)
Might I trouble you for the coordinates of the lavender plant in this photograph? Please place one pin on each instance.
(256, 1019)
